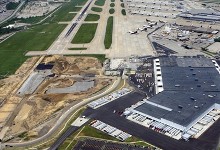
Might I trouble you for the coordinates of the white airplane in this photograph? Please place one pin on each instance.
(142, 29)
(152, 23)
(146, 26)
(161, 21)
(132, 32)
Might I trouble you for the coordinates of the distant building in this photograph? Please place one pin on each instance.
(201, 15)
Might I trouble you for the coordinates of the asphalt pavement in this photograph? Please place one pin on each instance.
(63, 137)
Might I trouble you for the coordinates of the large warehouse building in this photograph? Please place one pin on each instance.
(189, 96)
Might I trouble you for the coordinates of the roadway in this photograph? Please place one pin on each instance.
(63, 118)
(63, 137)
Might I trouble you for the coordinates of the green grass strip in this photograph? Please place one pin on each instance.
(78, 48)
(100, 2)
(108, 33)
(85, 33)
(92, 17)
(96, 9)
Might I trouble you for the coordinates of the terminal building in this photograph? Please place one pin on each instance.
(201, 15)
(188, 95)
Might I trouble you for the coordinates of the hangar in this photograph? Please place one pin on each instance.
(189, 95)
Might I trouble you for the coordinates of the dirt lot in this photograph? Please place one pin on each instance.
(40, 110)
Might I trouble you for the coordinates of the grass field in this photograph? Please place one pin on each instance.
(12, 51)
(100, 2)
(96, 9)
(92, 132)
(78, 48)
(111, 11)
(38, 37)
(60, 15)
(92, 17)
(64, 15)
(108, 33)
(85, 33)
(123, 12)
(12, 5)
(112, 5)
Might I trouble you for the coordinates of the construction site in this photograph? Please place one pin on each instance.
(31, 106)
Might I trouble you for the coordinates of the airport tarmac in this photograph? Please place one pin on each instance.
(124, 44)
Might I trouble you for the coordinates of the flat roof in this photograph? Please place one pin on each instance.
(152, 110)
(191, 86)
(203, 11)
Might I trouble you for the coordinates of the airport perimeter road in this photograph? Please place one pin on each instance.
(62, 119)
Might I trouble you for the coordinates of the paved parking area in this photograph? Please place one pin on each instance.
(143, 79)
(157, 8)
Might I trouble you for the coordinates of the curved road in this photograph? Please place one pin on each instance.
(63, 117)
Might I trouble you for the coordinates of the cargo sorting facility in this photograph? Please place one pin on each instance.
(187, 100)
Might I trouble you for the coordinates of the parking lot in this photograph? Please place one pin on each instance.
(143, 79)
(165, 9)
(34, 9)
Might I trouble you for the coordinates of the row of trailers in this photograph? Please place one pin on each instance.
(113, 96)
(112, 131)
(197, 129)
(165, 129)
(155, 125)
(194, 132)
